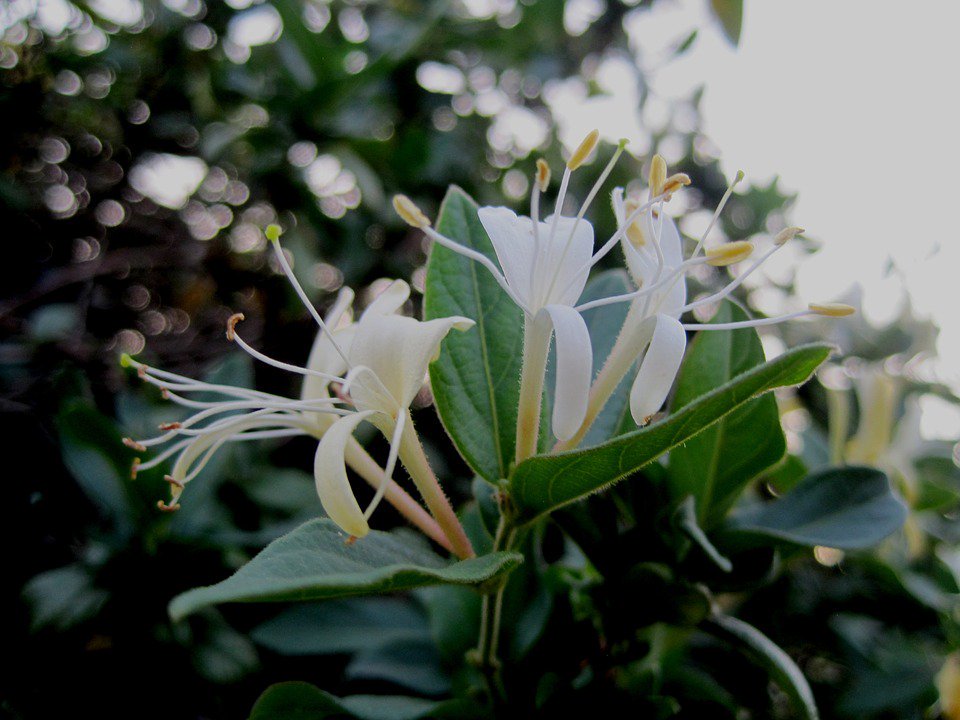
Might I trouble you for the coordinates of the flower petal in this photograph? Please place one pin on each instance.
(574, 368)
(397, 350)
(659, 366)
(330, 474)
(323, 355)
(390, 300)
(568, 262)
(512, 238)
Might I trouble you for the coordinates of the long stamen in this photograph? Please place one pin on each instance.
(540, 184)
(583, 210)
(716, 213)
(833, 310)
(390, 466)
(641, 292)
(273, 234)
(233, 336)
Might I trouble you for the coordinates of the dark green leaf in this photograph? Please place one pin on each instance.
(342, 626)
(475, 380)
(716, 465)
(303, 701)
(411, 664)
(314, 562)
(542, 484)
(63, 597)
(687, 520)
(782, 669)
(92, 450)
(849, 508)
(730, 15)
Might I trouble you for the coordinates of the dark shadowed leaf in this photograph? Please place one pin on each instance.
(782, 669)
(849, 508)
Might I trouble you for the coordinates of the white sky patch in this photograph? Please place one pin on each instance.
(940, 420)
(168, 180)
(260, 25)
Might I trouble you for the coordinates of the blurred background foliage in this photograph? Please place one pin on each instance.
(147, 146)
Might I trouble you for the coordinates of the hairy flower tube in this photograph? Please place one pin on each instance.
(378, 362)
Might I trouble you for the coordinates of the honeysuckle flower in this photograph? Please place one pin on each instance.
(543, 268)
(381, 359)
(652, 331)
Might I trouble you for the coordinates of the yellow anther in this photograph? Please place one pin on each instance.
(634, 230)
(543, 174)
(675, 182)
(729, 253)
(739, 177)
(658, 175)
(273, 232)
(232, 325)
(835, 310)
(409, 212)
(586, 147)
(786, 235)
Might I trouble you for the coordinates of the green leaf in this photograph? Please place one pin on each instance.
(781, 668)
(848, 507)
(475, 380)
(716, 465)
(303, 701)
(410, 664)
(544, 483)
(314, 562)
(730, 15)
(92, 450)
(342, 626)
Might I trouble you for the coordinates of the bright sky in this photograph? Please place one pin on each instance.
(855, 105)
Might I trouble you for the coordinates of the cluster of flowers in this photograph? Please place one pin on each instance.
(372, 369)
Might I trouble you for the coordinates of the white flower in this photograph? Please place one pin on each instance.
(652, 331)
(381, 360)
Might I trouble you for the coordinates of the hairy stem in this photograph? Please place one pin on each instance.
(415, 461)
(536, 346)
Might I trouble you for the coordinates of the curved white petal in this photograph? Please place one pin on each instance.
(512, 238)
(397, 350)
(390, 300)
(330, 474)
(659, 366)
(574, 368)
(567, 264)
(644, 263)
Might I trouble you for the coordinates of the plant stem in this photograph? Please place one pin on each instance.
(415, 461)
(536, 346)
(491, 615)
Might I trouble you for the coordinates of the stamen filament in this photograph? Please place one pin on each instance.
(390, 466)
(288, 271)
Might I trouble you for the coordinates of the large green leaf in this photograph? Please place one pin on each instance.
(314, 562)
(544, 483)
(475, 380)
(847, 507)
(303, 701)
(781, 668)
(716, 465)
